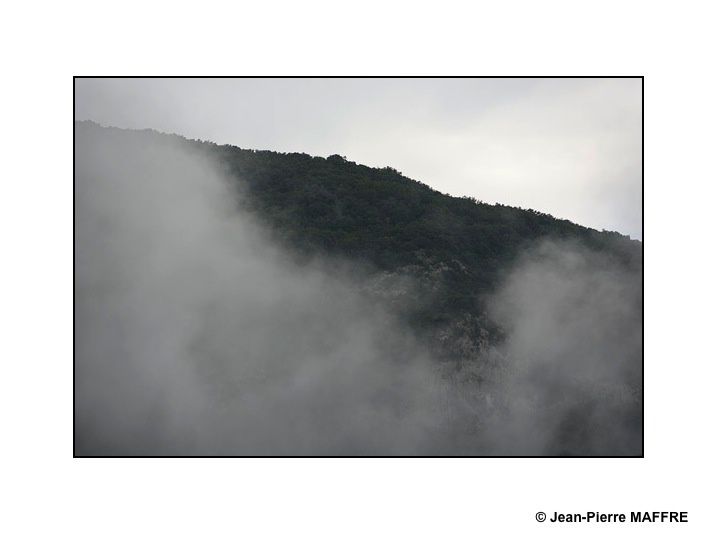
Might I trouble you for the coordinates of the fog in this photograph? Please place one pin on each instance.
(196, 335)
(574, 321)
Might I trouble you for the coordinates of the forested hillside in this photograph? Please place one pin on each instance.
(365, 304)
(457, 250)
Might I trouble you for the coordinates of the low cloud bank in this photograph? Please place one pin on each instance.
(573, 380)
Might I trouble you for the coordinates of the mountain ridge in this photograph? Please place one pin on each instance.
(456, 250)
(337, 158)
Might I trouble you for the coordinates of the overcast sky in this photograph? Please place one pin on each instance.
(568, 147)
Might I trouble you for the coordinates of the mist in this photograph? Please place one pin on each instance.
(197, 334)
(574, 354)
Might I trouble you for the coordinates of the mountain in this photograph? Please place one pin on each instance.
(463, 247)
(378, 217)
(536, 320)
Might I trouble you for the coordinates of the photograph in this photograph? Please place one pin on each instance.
(339, 271)
(358, 266)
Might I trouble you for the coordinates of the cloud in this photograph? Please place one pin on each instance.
(195, 336)
(572, 382)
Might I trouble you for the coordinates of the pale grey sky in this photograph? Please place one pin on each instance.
(568, 147)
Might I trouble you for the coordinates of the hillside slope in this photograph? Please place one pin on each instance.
(483, 329)
(460, 248)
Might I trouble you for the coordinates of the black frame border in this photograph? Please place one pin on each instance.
(642, 174)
